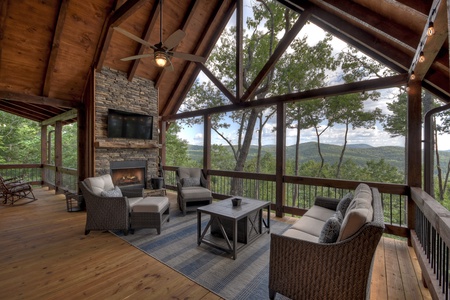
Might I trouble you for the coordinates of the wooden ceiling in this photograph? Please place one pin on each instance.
(49, 47)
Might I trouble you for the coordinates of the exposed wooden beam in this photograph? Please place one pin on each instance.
(367, 43)
(366, 17)
(279, 51)
(115, 19)
(348, 88)
(68, 115)
(184, 24)
(217, 82)
(430, 45)
(8, 95)
(146, 36)
(32, 112)
(239, 49)
(173, 105)
(3, 14)
(19, 111)
(55, 47)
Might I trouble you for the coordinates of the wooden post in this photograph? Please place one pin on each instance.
(413, 146)
(44, 158)
(58, 156)
(280, 159)
(162, 141)
(207, 146)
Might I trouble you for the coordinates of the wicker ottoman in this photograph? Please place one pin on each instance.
(150, 212)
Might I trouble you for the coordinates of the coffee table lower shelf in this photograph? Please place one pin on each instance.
(233, 228)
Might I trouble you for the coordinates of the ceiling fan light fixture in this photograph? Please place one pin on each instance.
(161, 59)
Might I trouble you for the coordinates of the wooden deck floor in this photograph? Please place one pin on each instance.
(44, 254)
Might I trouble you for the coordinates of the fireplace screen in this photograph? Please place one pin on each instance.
(131, 176)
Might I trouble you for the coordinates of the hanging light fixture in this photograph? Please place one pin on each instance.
(413, 76)
(431, 31)
(421, 57)
(161, 59)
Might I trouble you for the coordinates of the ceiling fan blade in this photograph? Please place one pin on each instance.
(174, 39)
(133, 37)
(136, 57)
(169, 67)
(190, 57)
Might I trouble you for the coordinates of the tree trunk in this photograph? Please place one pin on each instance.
(341, 157)
(237, 183)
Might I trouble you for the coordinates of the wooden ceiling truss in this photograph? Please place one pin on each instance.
(49, 48)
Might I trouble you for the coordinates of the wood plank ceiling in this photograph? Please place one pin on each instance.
(49, 47)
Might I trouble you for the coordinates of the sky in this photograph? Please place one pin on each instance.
(334, 135)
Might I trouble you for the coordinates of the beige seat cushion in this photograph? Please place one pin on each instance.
(190, 172)
(309, 225)
(134, 200)
(320, 213)
(297, 234)
(99, 184)
(150, 204)
(195, 192)
(359, 212)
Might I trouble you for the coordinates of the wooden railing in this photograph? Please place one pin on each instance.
(30, 172)
(300, 193)
(430, 236)
(46, 175)
(431, 239)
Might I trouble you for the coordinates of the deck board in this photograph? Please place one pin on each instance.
(44, 254)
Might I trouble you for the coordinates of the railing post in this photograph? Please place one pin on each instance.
(58, 155)
(414, 149)
(207, 146)
(44, 158)
(280, 159)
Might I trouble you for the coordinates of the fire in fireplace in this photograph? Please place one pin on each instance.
(129, 173)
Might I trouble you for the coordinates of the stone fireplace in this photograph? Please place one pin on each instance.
(131, 162)
(129, 174)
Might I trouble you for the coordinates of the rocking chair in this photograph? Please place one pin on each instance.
(14, 189)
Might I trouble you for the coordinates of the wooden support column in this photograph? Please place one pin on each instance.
(207, 146)
(162, 141)
(86, 131)
(280, 159)
(413, 145)
(44, 158)
(58, 156)
(239, 49)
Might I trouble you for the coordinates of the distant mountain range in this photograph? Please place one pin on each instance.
(359, 153)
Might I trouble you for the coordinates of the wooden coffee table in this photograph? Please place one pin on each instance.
(238, 226)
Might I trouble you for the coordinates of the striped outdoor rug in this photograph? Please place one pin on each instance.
(247, 277)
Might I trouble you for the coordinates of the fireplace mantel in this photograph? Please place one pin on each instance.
(126, 145)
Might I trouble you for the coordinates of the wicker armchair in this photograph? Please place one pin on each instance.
(107, 213)
(306, 270)
(192, 188)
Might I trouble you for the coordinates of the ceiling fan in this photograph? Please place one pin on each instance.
(161, 51)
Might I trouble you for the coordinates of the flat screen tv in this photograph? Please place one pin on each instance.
(127, 125)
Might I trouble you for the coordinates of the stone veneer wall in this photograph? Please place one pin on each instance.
(114, 91)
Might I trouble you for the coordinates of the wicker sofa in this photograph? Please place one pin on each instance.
(306, 264)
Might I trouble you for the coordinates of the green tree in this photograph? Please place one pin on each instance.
(70, 145)
(20, 140)
(176, 148)
(349, 110)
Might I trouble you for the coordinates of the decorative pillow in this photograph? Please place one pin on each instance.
(115, 192)
(186, 182)
(344, 203)
(330, 231)
(339, 216)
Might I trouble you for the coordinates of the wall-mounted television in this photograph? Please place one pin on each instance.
(127, 125)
